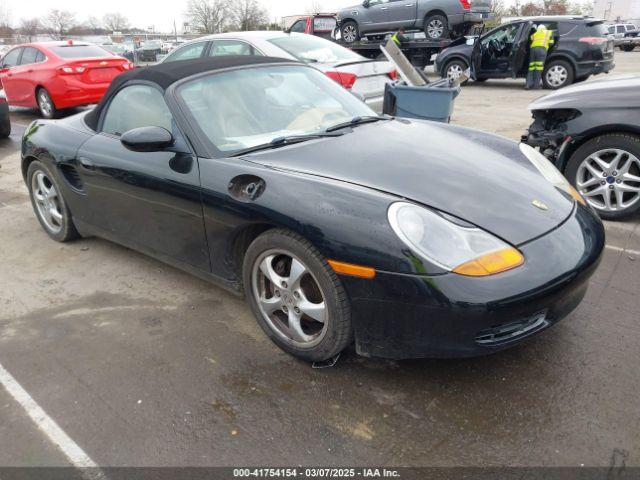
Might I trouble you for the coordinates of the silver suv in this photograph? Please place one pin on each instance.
(438, 18)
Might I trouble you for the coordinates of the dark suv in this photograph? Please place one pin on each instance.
(582, 48)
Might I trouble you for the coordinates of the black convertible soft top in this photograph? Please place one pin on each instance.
(166, 74)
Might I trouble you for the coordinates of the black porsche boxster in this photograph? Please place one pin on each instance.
(266, 177)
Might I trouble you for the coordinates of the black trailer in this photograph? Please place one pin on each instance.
(418, 51)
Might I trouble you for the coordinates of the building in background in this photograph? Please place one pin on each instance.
(617, 10)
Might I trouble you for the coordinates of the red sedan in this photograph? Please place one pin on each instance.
(56, 75)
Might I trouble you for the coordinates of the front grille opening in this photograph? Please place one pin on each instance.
(512, 331)
(72, 176)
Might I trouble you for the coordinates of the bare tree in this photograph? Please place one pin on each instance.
(115, 22)
(248, 14)
(59, 22)
(207, 16)
(313, 7)
(5, 15)
(29, 27)
(94, 24)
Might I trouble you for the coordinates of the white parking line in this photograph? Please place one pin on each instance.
(48, 426)
(620, 249)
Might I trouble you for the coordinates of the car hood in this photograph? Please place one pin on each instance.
(481, 178)
(614, 92)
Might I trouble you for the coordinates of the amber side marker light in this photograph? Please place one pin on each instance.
(576, 195)
(352, 270)
(491, 263)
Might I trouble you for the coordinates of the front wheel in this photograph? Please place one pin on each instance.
(46, 105)
(436, 27)
(296, 297)
(349, 31)
(627, 48)
(454, 69)
(557, 74)
(606, 172)
(48, 204)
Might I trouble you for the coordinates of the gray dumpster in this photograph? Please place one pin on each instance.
(429, 102)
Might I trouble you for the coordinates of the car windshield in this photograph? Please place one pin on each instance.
(80, 51)
(241, 109)
(310, 49)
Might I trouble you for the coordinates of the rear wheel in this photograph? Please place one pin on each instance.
(5, 127)
(557, 74)
(296, 297)
(349, 31)
(436, 26)
(606, 171)
(49, 205)
(627, 48)
(45, 104)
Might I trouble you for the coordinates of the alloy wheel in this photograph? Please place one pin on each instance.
(609, 180)
(44, 102)
(289, 298)
(557, 76)
(454, 71)
(349, 33)
(47, 201)
(435, 28)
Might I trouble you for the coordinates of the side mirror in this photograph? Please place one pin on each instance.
(147, 139)
(365, 4)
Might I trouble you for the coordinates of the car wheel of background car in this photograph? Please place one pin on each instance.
(51, 209)
(557, 74)
(435, 26)
(45, 104)
(5, 128)
(627, 48)
(349, 31)
(454, 69)
(296, 297)
(606, 171)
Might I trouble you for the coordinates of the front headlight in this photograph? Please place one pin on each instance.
(550, 172)
(465, 250)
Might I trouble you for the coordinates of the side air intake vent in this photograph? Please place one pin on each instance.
(72, 177)
(512, 331)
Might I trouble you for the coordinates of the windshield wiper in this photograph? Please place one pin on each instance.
(356, 121)
(284, 141)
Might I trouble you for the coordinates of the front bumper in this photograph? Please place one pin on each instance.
(414, 316)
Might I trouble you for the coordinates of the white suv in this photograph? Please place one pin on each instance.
(625, 35)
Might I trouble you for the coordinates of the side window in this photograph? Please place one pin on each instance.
(29, 56)
(136, 106)
(612, 29)
(187, 52)
(40, 57)
(231, 47)
(300, 26)
(620, 29)
(11, 58)
(504, 34)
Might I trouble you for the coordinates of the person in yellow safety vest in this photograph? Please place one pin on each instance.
(399, 37)
(541, 40)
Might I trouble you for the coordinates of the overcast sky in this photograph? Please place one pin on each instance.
(145, 13)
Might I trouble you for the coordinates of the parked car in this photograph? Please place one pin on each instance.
(56, 75)
(119, 49)
(5, 121)
(582, 49)
(265, 177)
(149, 51)
(364, 77)
(319, 24)
(437, 18)
(591, 132)
(626, 36)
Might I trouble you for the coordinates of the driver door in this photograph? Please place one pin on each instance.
(520, 50)
(149, 201)
(377, 13)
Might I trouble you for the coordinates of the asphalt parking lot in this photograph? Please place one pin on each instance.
(140, 364)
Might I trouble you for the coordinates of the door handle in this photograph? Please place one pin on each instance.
(409, 5)
(86, 163)
(383, 8)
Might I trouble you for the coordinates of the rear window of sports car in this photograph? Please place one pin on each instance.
(80, 51)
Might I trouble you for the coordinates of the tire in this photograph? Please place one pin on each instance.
(279, 249)
(454, 68)
(627, 48)
(60, 229)
(557, 74)
(350, 32)
(5, 128)
(45, 104)
(436, 27)
(606, 148)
